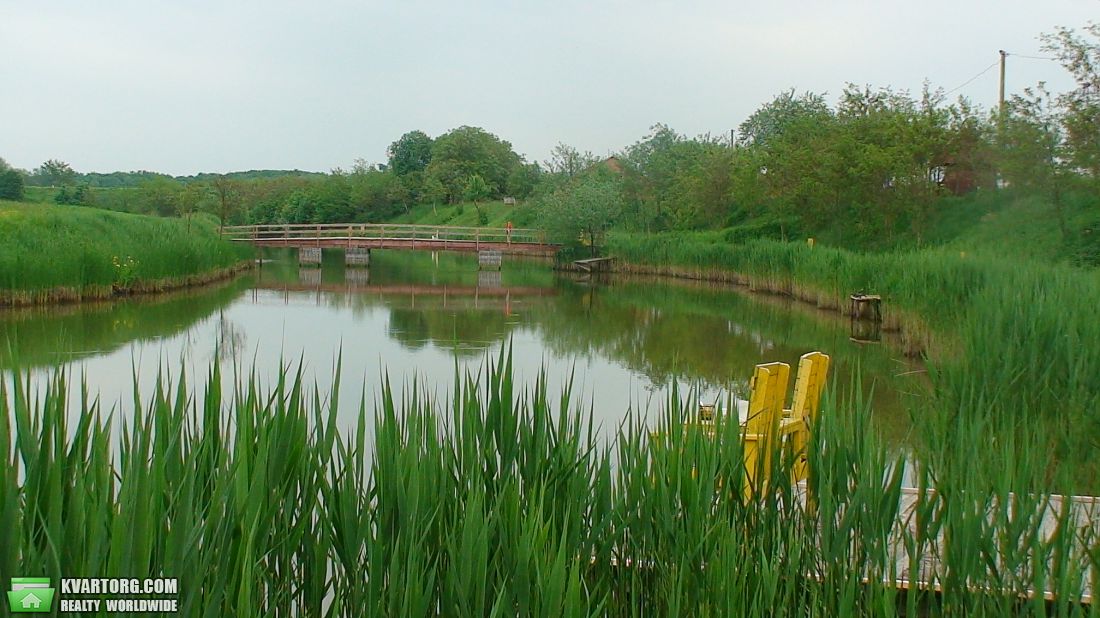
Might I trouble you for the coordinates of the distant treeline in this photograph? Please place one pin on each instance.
(54, 173)
(465, 164)
(873, 165)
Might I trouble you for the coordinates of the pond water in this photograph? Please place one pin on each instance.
(417, 316)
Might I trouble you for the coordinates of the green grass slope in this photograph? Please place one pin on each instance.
(999, 224)
(1025, 227)
(497, 214)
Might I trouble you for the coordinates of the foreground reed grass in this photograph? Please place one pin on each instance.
(503, 501)
(60, 253)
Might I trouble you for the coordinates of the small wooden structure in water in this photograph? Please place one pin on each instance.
(865, 307)
(595, 265)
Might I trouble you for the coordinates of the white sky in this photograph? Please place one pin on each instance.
(202, 85)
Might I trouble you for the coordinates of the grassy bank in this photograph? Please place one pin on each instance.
(500, 501)
(1006, 337)
(64, 253)
(935, 286)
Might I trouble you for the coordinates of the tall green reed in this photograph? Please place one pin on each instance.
(502, 499)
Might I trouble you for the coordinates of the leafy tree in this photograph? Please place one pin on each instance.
(412, 152)
(583, 210)
(298, 208)
(448, 174)
(331, 198)
(874, 166)
(798, 175)
(476, 189)
(371, 195)
(227, 195)
(656, 178)
(567, 161)
(158, 196)
(705, 191)
(262, 199)
(1080, 107)
(523, 179)
(11, 184)
(54, 173)
(1033, 149)
(466, 151)
(778, 116)
(650, 165)
(80, 195)
(896, 143)
(969, 153)
(187, 201)
(399, 192)
(433, 192)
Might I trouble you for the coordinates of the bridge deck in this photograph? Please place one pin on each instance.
(394, 236)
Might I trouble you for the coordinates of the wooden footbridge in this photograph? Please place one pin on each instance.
(395, 236)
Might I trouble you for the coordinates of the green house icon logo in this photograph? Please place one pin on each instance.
(30, 595)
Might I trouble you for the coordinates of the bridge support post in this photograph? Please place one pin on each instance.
(309, 256)
(489, 259)
(357, 256)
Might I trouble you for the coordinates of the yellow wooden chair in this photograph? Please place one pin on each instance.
(760, 436)
(771, 430)
(813, 369)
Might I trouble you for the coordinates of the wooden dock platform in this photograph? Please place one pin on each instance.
(1028, 546)
(600, 264)
(1045, 517)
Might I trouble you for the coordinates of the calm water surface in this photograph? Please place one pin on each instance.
(416, 317)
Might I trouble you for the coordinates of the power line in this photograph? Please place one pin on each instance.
(983, 72)
(1030, 57)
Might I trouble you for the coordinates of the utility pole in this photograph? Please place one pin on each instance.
(1001, 99)
(1001, 112)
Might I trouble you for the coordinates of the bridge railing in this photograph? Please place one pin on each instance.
(389, 231)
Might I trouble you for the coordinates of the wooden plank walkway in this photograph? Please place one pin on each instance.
(1020, 538)
(395, 236)
(1081, 517)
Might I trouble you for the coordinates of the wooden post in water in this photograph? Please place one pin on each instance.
(866, 307)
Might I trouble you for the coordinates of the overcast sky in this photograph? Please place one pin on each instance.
(189, 86)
